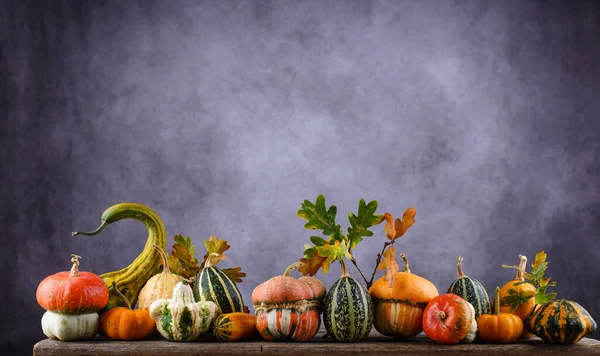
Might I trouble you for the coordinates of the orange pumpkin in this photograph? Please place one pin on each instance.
(288, 308)
(447, 319)
(122, 323)
(524, 310)
(399, 308)
(499, 327)
(73, 292)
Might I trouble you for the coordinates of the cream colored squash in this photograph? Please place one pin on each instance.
(67, 327)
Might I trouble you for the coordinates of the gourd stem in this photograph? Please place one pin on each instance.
(165, 261)
(75, 267)
(459, 260)
(291, 267)
(403, 257)
(344, 269)
(120, 295)
(521, 270)
(208, 262)
(497, 301)
(91, 233)
(441, 315)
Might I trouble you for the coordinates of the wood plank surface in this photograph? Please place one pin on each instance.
(376, 344)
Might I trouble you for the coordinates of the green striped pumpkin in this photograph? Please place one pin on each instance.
(348, 309)
(214, 285)
(471, 290)
(560, 322)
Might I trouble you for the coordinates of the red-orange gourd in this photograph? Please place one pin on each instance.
(447, 319)
(399, 309)
(288, 308)
(524, 310)
(73, 292)
(499, 327)
(122, 323)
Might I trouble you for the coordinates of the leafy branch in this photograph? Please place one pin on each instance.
(334, 244)
(394, 229)
(535, 278)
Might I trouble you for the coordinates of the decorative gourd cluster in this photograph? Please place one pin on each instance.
(181, 299)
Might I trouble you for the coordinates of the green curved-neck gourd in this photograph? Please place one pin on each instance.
(132, 278)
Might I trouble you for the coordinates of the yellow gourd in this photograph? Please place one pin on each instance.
(160, 286)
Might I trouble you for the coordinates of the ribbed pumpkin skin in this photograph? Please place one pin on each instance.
(234, 326)
(561, 322)
(288, 308)
(399, 310)
(66, 294)
(522, 311)
(473, 292)
(215, 286)
(348, 312)
(288, 324)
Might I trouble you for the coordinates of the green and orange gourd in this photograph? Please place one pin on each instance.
(399, 308)
(288, 308)
(131, 279)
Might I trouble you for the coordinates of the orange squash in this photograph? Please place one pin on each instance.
(499, 327)
(524, 310)
(288, 308)
(122, 323)
(399, 309)
(234, 326)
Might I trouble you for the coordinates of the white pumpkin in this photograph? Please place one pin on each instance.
(181, 318)
(472, 330)
(66, 327)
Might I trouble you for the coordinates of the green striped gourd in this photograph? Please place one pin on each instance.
(180, 318)
(212, 284)
(560, 322)
(348, 309)
(471, 290)
(131, 279)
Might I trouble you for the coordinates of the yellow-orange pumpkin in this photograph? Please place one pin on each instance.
(524, 310)
(399, 309)
(122, 323)
(499, 327)
(288, 308)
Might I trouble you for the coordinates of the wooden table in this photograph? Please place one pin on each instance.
(375, 343)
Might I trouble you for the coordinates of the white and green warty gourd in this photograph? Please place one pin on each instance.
(181, 318)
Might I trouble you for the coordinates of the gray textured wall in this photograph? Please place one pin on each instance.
(224, 115)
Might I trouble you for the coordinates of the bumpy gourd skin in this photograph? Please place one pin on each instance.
(132, 278)
(180, 318)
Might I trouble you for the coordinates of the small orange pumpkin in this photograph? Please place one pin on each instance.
(499, 327)
(524, 310)
(122, 323)
(399, 309)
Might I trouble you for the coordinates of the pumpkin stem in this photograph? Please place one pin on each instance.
(291, 267)
(91, 233)
(497, 301)
(403, 257)
(344, 269)
(120, 295)
(459, 260)
(165, 261)
(521, 270)
(75, 267)
(208, 262)
(441, 315)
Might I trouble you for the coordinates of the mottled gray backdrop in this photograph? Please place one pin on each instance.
(224, 115)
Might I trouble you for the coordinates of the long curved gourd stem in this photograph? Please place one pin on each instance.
(521, 270)
(459, 260)
(292, 267)
(91, 233)
(132, 278)
(344, 269)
